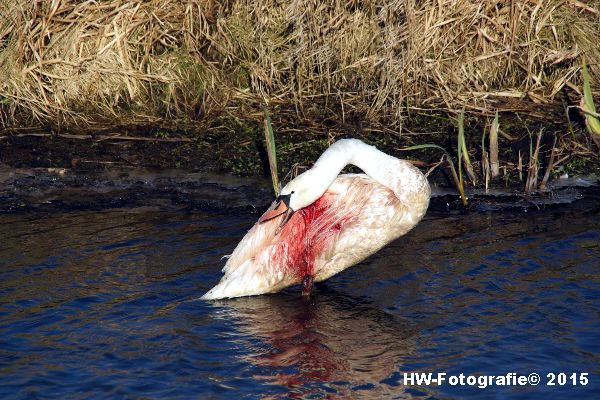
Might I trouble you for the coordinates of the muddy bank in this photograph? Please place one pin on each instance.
(52, 189)
(242, 151)
(60, 189)
(42, 150)
(139, 168)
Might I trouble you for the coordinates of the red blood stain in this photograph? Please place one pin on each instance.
(305, 235)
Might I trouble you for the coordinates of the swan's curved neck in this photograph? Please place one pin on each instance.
(400, 176)
(376, 164)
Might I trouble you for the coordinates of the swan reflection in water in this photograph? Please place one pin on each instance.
(330, 343)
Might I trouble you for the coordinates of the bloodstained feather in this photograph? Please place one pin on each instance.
(307, 233)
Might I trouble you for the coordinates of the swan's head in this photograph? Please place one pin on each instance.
(303, 190)
(300, 192)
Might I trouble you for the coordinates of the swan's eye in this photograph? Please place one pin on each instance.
(292, 192)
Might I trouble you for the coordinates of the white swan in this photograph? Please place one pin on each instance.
(323, 223)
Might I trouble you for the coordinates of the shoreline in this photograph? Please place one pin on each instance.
(63, 190)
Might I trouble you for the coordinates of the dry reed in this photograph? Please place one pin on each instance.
(178, 64)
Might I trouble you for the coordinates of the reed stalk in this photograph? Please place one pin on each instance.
(463, 149)
(534, 164)
(494, 163)
(271, 151)
(485, 163)
(550, 166)
(589, 108)
(520, 166)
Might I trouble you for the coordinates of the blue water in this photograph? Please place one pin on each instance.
(102, 304)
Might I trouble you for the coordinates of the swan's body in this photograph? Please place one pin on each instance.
(328, 222)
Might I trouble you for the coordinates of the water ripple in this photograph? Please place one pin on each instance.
(101, 304)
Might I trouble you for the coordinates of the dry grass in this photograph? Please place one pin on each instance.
(89, 64)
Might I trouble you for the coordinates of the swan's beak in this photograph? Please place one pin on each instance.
(279, 207)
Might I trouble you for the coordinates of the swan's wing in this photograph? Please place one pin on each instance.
(255, 267)
(255, 240)
(254, 276)
(378, 218)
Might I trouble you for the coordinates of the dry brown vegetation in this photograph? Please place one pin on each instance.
(76, 65)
